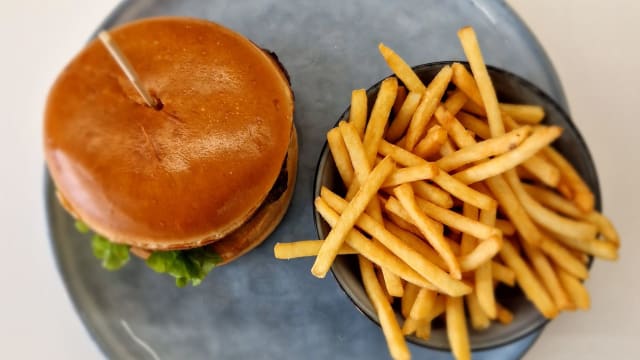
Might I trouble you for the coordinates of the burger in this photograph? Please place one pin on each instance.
(187, 185)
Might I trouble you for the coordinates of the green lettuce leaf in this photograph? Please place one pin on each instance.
(113, 256)
(185, 265)
(82, 227)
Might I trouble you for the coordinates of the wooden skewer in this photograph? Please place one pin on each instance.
(126, 67)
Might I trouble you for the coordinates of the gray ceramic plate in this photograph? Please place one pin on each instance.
(260, 308)
(511, 89)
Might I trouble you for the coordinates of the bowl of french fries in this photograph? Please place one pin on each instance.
(457, 206)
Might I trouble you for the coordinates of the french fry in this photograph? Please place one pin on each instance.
(455, 101)
(400, 155)
(395, 340)
(509, 122)
(479, 320)
(526, 114)
(401, 143)
(468, 241)
(554, 201)
(416, 243)
(431, 143)
(422, 327)
(484, 289)
(355, 150)
(457, 328)
(401, 95)
(603, 249)
(428, 104)
(340, 156)
(432, 193)
(353, 190)
(465, 82)
(434, 236)
(444, 180)
(379, 116)
(583, 197)
(503, 274)
(548, 276)
(504, 316)
(530, 285)
(304, 248)
(457, 221)
(542, 170)
(438, 308)
(580, 255)
(564, 189)
(506, 227)
(447, 148)
(563, 258)
(349, 216)
(358, 110)
(525, 174)
(392, 283)
(575, 289)
(471, 49)
(402, 70)
(410, 326)
(472, 108)
(408, 298)
(484, 149)
(471, 134)
(540, 138)
(400, 222)
(362, 170)
(463, 192)
(482, 253)
(423, 330)
(435, 275)
(454, 242)
(372, 250)
(393, 206)
(454, 128)
(483, 275)
(513, 209)
(380, 278)
(479, 127)
(411, 174)
(547, 218)
(605, 227)
(401, 121)
(566, 207)
(425, 300)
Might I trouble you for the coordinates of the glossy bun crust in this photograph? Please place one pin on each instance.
(189, 173)
(264, 220)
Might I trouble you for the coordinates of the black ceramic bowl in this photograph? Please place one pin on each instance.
(510, 88)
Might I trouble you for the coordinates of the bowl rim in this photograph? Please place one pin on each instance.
(324, 153)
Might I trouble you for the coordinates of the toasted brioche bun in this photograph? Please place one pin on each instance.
(255, 230)
(261, 224)
(188, 174)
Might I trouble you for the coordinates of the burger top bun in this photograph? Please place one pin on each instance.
(185, 174)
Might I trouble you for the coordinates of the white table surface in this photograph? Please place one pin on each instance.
(593, 44)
